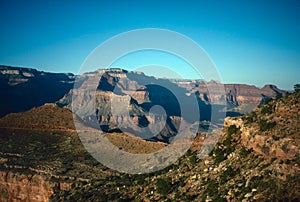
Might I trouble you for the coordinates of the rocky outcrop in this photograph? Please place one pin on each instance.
(271, 130)
(33, 185)
(283, 148)
(16, 186)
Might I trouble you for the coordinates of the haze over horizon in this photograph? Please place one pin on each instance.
(253, 42)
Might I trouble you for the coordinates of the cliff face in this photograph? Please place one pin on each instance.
(24, 88)
(240, 97)
(124, 100)
(22, 187)
(33, 185)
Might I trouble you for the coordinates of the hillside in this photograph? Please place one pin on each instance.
(255, 159)
(40, 150)
(250, 162)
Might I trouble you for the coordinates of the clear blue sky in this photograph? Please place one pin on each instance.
(255, 42)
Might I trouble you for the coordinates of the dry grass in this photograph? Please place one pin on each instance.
(133, 144)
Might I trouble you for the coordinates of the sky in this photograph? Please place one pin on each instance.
(254, 42)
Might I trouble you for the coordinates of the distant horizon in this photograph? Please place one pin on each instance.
(170, 78)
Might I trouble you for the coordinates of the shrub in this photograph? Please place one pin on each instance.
(227, 174)
(265, 150)
(275, 137)
(250, 118)
(228, 141)
(212, 191)
(181, 182)
(219, 155)
(243, 152)
(267, 109)
(193, 159)
(189, 152)
(297, 87)
(278, 96)
(265, 125)
(211, 188)
(232, 130)
(164, 186)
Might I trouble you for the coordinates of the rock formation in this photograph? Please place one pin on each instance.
(255, 158)
(240, 98)
(24, 88)
(124, 101)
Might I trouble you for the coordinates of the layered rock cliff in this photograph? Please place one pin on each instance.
(24, 88)
(241, 98)
(124, 101)
(15, 186)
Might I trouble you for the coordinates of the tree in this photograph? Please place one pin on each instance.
(297, 87)
(278, 96)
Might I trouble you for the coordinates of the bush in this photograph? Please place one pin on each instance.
(212, 191)
(297, 87)
(278, 96)
(267, 109)
(219, 155)
(164, 186)
(227, 174)
(265, 125)
(244, 152)
(275, 137)
(232, 130)
(181, 182)
(211, 188)
(193, 159)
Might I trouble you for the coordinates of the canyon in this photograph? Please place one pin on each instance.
(42, 158)
(25, 88)
(40, 150)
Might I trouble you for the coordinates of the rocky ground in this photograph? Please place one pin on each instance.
(257, 158)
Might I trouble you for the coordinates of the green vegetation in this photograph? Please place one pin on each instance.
(193, 158)
(297, 87)
(267, 109)
(227, 174)
(164, 186)
(244, 152)
(232, 130)
(278, 96)
(250, 118)
(227, 146)
(211, 190)
(266, 125)
(219, 155)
